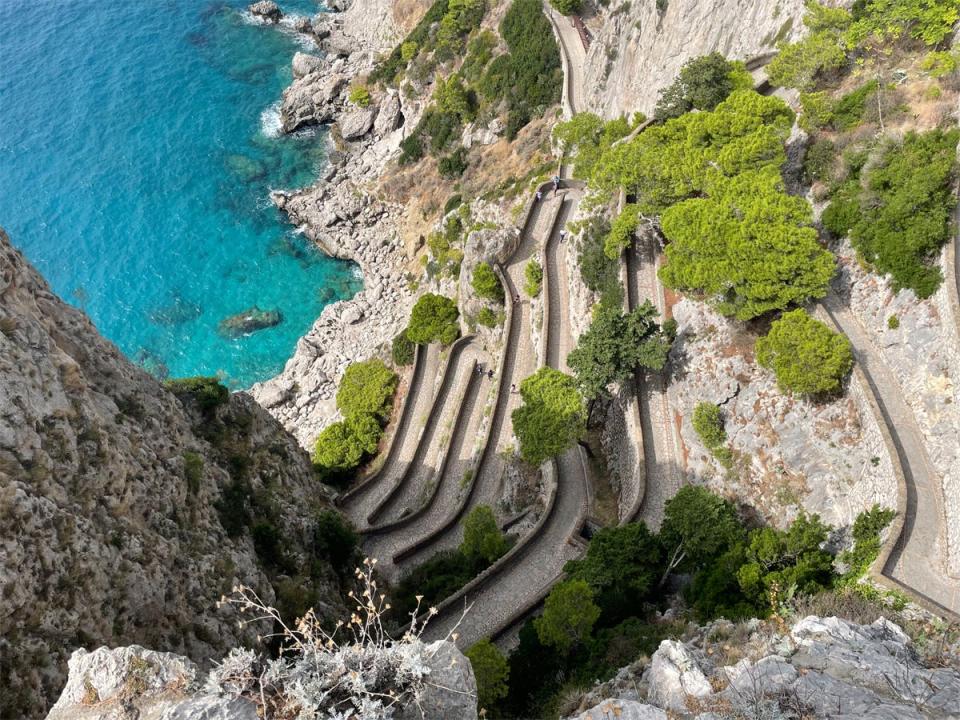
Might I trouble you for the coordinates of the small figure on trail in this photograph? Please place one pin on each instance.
(490, 374)
(513, 388)
(516, 299)
(556, 184)
(479, 369)
(539, 195)
(563, 235)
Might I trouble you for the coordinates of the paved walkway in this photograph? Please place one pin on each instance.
(573, 56)
(663, 459)
(917, 560)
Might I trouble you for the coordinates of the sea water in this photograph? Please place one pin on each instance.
(138, 145)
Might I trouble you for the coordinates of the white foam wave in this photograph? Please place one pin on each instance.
(270, 124)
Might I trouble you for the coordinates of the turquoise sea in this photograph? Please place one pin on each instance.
(137, 148)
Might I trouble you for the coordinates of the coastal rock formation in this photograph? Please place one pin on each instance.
(137, 684)
(312, 98)
(639, 47)
(249, 321)
(109, 487)
(356, 123)
(266, 10)
(823, 668)
(304, 64)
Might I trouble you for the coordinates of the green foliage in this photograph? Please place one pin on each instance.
(817, 110)
(820, 161)
(454, 164)
(569, 614)
(702, 84)
(439, 577)
(336, 540)
(367, 388)
(623, 565)
(893, 322)
(621, 231)
(408, 50)
(848, 111)
(434, 318)
(343, 445)
(453, 202)
(486, 283)
(802, 63)
(747, 246)
(533, 275)
(403, 350)
(708, 423)
(479, 54)
(491, 671)
(552, 417)
(906, 209)
(192, 471)
(940, 63)
(567, 7)
(387, 70)
(599, 273)
(929, 21)
(807, 357)
(698, 526)
(483, 542)
(843, 212)
(615, 345)
(461, 17)
(451, 98)
(585, 137)
(866, 535)
(715, 591)
(359, 96)
(783, 562)
(207, 391)
(489, 318)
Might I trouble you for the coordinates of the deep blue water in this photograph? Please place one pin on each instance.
(135, 163)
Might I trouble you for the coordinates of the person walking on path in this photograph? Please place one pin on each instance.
(539, 195)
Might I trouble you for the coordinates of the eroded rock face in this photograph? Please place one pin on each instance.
(356, 123)
(312, 98)
(304, 64)
(266, 10)
(108, 484)
(131, 683)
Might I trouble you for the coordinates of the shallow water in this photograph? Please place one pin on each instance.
(138, 144)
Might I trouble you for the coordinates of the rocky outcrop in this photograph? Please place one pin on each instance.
(109, 486)
(266, 10)
(638, 48)
(131, 683)
(312, 98)
(249, 321)
(356, 123)
(823, 668)
(303, 64)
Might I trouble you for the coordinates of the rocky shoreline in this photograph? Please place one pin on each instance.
(341, 214)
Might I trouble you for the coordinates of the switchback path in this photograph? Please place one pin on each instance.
(661, 449)
(573, 55)
(525, 575)
(917, 561)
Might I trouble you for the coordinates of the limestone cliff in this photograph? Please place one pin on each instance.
(110, 485)
(637, 48)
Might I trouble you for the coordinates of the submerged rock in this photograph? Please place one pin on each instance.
(266, 10)
(245, 167)
(249, 321)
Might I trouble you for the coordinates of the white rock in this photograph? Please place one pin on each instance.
(674, 676)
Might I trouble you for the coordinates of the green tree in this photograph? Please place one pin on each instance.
(403, 350)
(434, 318)
(492, 672)
(569, 614)
(585, 137)
(207, 391)
(567, 7)
(359, 95)
(533, 274)
(482, 538)
(335, 540)
(486, 283)
(622, 565)
(702, 84)
(451, 97)
(708, 423)
(929, 21)
(621, 231)
(806, 356)
(617, 344)
(367, 388)
(698, 526)
(552, 417)
(801, 64)
(343, 445)
(748, 247)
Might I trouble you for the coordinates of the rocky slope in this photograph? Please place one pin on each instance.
(820, 668)
(109, 531)
(638, 48)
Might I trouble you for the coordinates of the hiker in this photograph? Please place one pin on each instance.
(490, 374)
(516, 299)
(539, 195)
(513, 389)
(556, 184)
(563, 235)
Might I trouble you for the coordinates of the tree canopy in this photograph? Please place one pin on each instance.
(552, 417)
(585, 137)
(367, 387)
(434, 318)
(491, 670)
(806, 356)
(698, 526)
(343, 445)
(569, 614)
(482, 538)
(615, 345)
(486, 283)
(702, 84)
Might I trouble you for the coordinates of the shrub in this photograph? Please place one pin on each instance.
(367, 388)
(336, 540)
(439, 577)
(453, 165)
(807, 357)
(698, 527)
(621, 231)
(403, 350)
(486, 283)
(192, 471)
(552, 417)
(434, 318)
(905, 217)
(569, 614)
(702, 84)
(408, 50)
(939, 64)
(585, 137)
(359, 96)
(388, 69)
(411, 149)
(452, 203)
(929, 21)
(820, 160)
(847, 112)
(488, 318)
(207, 391)
(708, 423)
(567, 7)
(843, 212)
(342, 445)
(801, 63)
(491, 671)
(533, 274)
(483, 542)
(866, 535)
(893, 322)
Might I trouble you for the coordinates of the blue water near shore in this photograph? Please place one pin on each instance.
(137, 150)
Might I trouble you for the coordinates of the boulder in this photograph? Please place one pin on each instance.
(303, 25)
(248, 321)
(674, 676)
(356, 123)
(266, 10)
(311, 99)
(622, 710)
(388, 116)
(304, 64)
